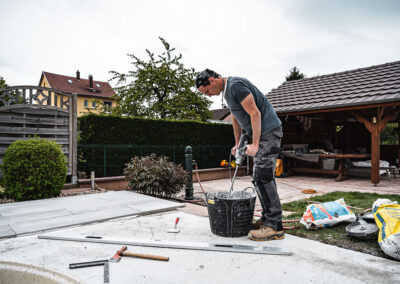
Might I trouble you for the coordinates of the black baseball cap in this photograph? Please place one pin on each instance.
(202, 77)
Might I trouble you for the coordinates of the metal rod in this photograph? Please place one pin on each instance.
(233, 180)
(176, 245)
(87, 264)
(106, 273)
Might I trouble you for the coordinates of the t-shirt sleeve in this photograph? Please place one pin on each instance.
(240, 91)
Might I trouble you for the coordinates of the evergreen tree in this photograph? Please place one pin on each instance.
(294, 74)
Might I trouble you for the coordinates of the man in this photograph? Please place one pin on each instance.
(252, 112)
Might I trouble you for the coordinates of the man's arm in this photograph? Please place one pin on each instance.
(250, 107)
(237, 130)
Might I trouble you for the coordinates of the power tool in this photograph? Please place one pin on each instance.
(240, 155)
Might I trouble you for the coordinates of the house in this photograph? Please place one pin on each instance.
(350, 109)
(90, 93)
(222, 114)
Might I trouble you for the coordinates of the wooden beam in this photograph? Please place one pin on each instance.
(362, 119)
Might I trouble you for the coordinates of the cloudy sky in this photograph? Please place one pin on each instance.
(257, 39)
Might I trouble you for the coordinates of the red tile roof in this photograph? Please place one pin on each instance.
(81, 87)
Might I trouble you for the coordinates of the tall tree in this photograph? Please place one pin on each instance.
(160, 87)
(294, 74)
(3, 83)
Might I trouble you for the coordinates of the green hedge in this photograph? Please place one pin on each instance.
(33, 169)
(107, 143)
(95, 129)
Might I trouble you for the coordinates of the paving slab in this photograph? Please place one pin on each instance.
(48, 214)
(311, 261)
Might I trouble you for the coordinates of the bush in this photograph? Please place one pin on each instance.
(155, 176)
(33, 169)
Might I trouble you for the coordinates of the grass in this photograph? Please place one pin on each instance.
(336, 235)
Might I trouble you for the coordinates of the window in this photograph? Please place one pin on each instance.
(107, 106)
(85, 103)
(93, 104)
(98, 85)
(69, 81)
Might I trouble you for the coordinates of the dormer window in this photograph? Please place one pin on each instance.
(69, 81)
(98, 85)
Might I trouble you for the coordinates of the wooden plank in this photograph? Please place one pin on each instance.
(350, 156)
(32, 131)
(35, 109)
(9, 140)
(74, 135)
(32, 120)
(311, 170)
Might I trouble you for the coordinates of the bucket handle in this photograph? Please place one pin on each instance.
(244, 190)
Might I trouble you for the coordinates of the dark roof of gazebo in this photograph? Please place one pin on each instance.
(365, 86)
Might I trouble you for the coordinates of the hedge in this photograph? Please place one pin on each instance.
(211, 142)
(96, 129)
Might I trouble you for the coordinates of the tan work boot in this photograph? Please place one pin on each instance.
(265, 234)
(257, 224)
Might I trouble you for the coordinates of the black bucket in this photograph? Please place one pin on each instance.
(231, 216)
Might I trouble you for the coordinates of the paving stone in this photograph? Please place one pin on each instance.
(6, 232)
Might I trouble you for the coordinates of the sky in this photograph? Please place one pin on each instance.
(260, 40)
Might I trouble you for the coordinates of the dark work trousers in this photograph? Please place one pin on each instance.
(264, 181)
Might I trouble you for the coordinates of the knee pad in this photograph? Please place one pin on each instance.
(263, 175)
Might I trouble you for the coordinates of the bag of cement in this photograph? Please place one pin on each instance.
(387, 218)
(327, 214)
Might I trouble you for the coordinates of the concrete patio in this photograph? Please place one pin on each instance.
(310, 261)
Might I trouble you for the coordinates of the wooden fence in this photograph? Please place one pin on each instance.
(27, 111)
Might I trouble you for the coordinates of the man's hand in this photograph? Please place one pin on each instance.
(251, 150)
(233, 151)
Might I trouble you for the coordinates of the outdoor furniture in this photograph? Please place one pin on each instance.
(340, 172)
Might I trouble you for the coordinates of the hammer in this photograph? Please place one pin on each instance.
(121, 252)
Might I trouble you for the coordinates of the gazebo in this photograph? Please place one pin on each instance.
(349, 108)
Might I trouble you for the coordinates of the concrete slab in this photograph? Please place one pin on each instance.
(40, 215)
(290, 188)
(7, 231)
(311, 261)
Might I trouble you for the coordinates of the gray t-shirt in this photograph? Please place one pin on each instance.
(239, 88)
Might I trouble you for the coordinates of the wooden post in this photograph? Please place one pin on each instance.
(375, 149)
(375, 126)
(398, 146)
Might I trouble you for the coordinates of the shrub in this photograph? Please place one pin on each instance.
(156, 176)
(33, 169)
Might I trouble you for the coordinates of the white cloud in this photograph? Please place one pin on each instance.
(260, 40)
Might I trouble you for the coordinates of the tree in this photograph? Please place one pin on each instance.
(3, 83)
(11, 95)
(160, 87)
(294, 74)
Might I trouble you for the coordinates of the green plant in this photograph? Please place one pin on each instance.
(33, 169)
(156, 176)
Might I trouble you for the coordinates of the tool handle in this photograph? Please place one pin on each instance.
(146, 256)
(176, 221)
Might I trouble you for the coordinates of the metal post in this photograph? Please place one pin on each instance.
(189, 169)
(92, 180)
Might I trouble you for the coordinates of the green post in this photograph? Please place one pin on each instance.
(189, 169)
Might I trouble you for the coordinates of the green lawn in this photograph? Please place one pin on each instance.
(337, 235)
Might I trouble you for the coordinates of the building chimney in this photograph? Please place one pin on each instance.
(78, 75)
(91, 81)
